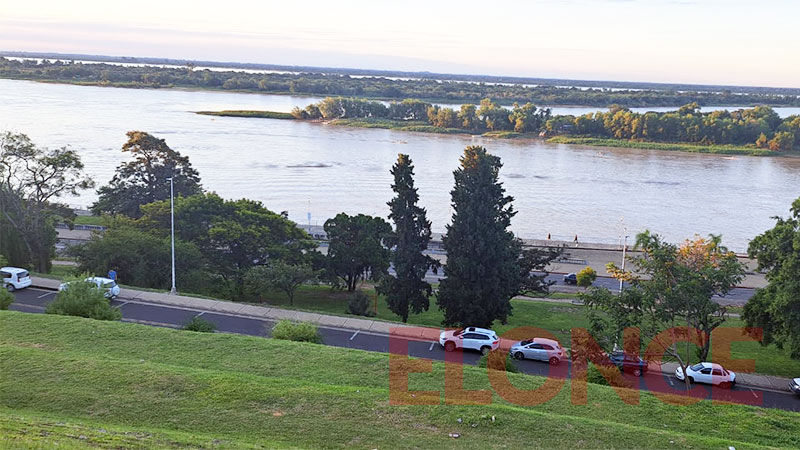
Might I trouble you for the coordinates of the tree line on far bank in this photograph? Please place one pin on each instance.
(759, 127)
(378, 87)
(239, 249)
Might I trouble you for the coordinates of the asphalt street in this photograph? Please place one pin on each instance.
(35, 300)
(736, 297)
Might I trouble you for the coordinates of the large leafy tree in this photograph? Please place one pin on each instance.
(408, 291)
(483, 270)
(145, 179)
(234, 235)
(775, 309)
(671, 290)
(278, 276)
(32, 182)
(142, 259)
(357, 249)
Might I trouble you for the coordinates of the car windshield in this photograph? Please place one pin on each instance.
(110, 284)
(525, 342)
(23, 274)
(697, 367)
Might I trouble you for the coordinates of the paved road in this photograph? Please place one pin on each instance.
(34, 301)
(737, 297)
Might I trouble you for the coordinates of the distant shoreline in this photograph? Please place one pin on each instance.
(666, 146)
(424, 127)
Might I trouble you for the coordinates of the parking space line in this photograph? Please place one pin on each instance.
(122, 304)
(45, 294)
(430, 349)
(354, 335)
(754, 393)
(670, 381)
(201, 313)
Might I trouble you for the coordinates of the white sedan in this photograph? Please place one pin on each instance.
(708, 373)
(109, 286)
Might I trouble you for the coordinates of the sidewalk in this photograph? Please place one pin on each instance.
(376, 326)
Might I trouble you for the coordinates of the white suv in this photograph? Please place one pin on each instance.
(15, 278)
(473, 338)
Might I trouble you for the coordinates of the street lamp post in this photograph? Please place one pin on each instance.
(624, 248)
(172, 226)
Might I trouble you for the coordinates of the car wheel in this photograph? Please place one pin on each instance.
(637, 372)
(449, 346)
(10, 287)
(519, 355)
(725, 385)
(554, 361)
(691, 380)
(485, 350)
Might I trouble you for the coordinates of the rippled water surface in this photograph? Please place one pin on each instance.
(297, 167)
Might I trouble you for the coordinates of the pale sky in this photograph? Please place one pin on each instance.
(735, 42)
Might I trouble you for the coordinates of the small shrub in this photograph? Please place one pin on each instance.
(296, 331)
(83, 299)
(200, 325)
(6, 298)
(586, 277)
(359, 305)
(595, 376)
(510, 366)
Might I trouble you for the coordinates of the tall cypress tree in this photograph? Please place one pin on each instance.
(408, 291)
(483, 270)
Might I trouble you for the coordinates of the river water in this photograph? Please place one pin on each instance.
(303, 167)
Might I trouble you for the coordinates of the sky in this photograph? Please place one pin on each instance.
(731, 42)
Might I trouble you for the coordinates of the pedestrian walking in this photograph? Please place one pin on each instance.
(112, 274)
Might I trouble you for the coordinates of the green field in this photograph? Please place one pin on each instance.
(681, 147)
(78, 382)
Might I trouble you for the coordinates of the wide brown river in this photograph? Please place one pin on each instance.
(305, 167)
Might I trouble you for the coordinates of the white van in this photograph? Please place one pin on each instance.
(15, 278)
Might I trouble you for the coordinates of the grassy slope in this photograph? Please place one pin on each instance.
(683, 147)
(176, 387)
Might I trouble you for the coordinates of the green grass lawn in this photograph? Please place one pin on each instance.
(85, 383)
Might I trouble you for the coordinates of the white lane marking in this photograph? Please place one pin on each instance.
(354, 335)
(122, 304)
(754, 393)
(430, 349)
(45, 294)
(670, 381)
(201, 314)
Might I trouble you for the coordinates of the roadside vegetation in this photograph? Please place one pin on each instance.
(255, 392)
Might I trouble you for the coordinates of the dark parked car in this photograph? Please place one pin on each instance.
(628, 363)
(571, 278)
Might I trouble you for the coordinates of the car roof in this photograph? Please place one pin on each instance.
(707, 364)
(100, 279)
(546, 341)
(12, 269)
(479, 330)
